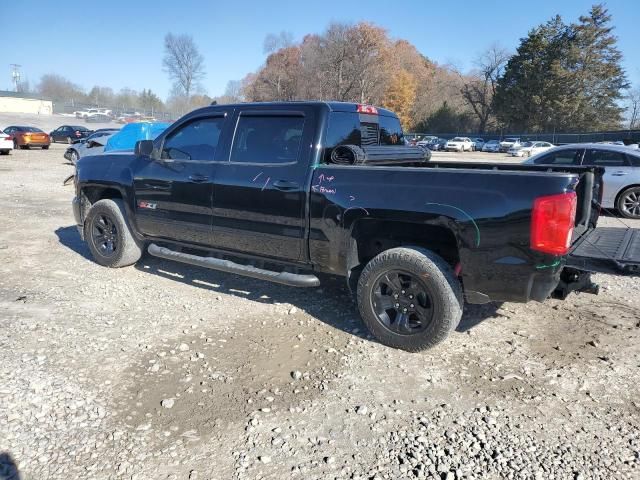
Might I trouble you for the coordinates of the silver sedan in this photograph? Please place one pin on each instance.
(621, 177)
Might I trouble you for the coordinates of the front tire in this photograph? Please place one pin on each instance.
(409, 298)
(628, 203)
(109, 236)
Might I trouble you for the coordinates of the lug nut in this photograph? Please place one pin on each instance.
(403, 292)
(397, 305)
(404, 310)
(412, 305)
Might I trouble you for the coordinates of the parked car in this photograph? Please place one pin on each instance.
(491, 146)
(26, 137)
(621, 177)
(507, 143)
(69, 133)
(424, 141)
(437, 144)
(92, 145)
(528, 149)
(129, 116)
(402, 235)
(478, 143)
(98, 118)
(459, 144)
(6, 143)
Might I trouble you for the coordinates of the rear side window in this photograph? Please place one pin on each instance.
(390, 131)
(267, 139)
(561, 157)
(604, 158)
(635, 159)
(196, 140)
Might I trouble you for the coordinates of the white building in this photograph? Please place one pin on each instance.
(18, 102)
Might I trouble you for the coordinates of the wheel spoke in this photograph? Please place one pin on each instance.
(383, 302)
(402, 323)
(393, 280)
(423, 313)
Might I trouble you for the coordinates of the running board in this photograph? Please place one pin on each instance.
(284, 278)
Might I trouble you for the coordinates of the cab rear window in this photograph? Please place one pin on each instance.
(351, 128)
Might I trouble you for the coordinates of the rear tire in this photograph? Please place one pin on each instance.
(426, 288)
(628, 203)
(45, 147)
(109, 235)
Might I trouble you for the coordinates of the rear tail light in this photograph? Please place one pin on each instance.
(552, 222)
(367, 109)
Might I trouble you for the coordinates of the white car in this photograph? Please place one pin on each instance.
(459, 144)
(6, 143)
(527, 149)
(507, 143)
(491, 146)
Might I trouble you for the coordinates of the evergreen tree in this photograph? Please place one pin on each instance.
(597, 73)
(564, 78)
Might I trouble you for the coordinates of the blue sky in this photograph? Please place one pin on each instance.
(120, 44)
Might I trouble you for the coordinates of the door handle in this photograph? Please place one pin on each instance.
(285, 185)
(197, 178)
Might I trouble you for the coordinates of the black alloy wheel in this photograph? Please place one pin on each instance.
(104, 235)
(402, 303)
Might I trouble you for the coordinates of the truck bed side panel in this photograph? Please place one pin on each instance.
(488, 212)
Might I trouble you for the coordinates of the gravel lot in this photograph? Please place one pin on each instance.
(164, 371)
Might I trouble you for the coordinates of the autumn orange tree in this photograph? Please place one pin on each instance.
(400, 97)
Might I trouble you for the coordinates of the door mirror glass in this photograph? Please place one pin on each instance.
(143, 148)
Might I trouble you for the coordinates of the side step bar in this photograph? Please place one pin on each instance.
(284, 278)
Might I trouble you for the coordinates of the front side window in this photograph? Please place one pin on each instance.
(268, 139)
(196, 140)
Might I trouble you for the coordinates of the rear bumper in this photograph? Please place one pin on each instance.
(6, 144)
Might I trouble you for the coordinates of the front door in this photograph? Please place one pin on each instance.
(259, 194)
(173, 191)
(617, 169)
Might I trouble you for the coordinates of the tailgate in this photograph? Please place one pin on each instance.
(607, 250)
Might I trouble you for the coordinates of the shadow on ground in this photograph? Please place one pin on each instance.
(331, 303)
(8, 467)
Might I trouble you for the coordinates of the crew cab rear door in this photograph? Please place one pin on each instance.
(260, 191)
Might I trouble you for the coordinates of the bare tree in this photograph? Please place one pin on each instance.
(480, 85)
(274, 42)
(633, 108)
(183, 62)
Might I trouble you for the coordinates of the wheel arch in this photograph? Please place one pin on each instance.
(370, 237)
(622, 190)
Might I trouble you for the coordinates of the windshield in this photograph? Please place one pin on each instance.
(492, 142)
(78, 127)
(512, 140)
(458, 139)
(29, 129)
(527, 144)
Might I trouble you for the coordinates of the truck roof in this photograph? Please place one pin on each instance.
(333, 106)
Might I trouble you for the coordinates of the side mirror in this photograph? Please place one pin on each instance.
(143, 148)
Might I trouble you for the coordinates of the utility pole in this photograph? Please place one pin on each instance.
(15, 75)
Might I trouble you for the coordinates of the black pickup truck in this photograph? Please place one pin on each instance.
(285, 191)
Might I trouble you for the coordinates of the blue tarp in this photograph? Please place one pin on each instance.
(128, 135)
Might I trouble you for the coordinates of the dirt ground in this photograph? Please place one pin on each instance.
(168, 371)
